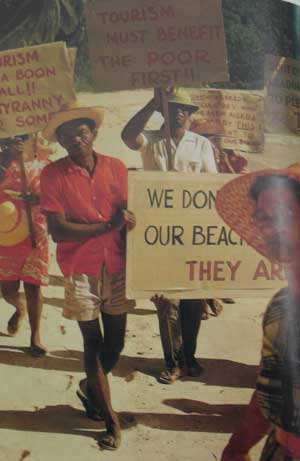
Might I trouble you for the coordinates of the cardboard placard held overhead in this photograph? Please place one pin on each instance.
(282, 91)
(180, 246)
(236, 116)
(147, 43)
(35, 82)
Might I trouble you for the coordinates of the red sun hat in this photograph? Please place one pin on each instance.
(236, 206)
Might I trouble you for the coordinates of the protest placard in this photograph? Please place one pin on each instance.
(182, 248)
(282, 91)
(144, 43)
(236, 116)
(35, 82)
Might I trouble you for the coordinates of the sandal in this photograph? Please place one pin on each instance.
(170, 375)
(37, 351)
(110, 442)
(91, 411)
(194, 369)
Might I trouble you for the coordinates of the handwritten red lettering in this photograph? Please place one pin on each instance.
(19, 59)
(188, 32)
(115, 61)
(182, 57)
(134, 15)
(40, 72)
(123, 38)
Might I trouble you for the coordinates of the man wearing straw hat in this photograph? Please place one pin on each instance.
(84, 198)
(20, 260)
(179, 321)
(264, 209)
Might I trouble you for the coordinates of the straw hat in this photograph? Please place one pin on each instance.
(180, 96)
(13, 222)
(72, 112)
(236, 207)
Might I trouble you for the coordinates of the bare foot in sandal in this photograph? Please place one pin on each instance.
(84, 395)
(112, 439)
(15, 322)
(170, 375)
(37, 350)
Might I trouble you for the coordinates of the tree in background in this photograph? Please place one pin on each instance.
(253, 28)
(32, 22)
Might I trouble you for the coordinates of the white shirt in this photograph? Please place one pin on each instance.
(193, 154)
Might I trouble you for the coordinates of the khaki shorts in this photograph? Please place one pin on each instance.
(86, 296)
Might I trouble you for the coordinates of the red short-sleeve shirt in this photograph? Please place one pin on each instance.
(67, 188)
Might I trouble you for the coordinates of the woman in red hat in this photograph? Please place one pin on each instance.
(264, 209)
(19, 261)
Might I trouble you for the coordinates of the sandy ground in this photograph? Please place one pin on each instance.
(41, 418)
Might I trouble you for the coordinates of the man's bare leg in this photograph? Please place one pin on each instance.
(114, 328)
(10, 292)
(98, 383)
(34, 306)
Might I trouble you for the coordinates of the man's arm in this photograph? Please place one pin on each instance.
(62, 230)
(209, 158)
(251, 430)
(131, 133)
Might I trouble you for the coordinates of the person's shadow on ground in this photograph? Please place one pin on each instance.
(63, 360)
(59, 419)
(217, 372)
(201, 417)
(64, 419)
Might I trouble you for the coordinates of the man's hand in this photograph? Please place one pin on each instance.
(32, 198)
(158, 96)
(16, 146)
(123, 218)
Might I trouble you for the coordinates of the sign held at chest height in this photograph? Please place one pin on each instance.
(182, 248)
(154, 44)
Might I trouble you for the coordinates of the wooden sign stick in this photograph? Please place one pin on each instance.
(167, 128)
(27, 204)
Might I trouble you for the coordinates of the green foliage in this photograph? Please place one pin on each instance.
(32, 22)
(253, 29)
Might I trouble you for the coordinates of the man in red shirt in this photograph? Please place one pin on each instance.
(83, 196)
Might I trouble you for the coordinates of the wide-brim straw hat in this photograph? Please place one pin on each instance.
(13, 221)
(236, 207)
(180, 96)
(72, 113)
